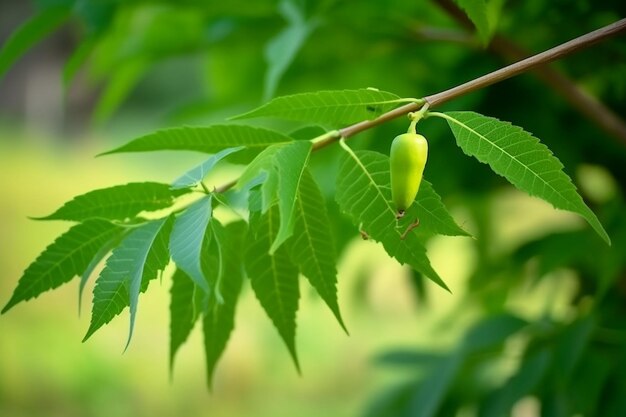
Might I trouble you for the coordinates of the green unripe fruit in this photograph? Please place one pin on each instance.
(407, 161)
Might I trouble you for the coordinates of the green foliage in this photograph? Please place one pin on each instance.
(31, 32)
(120, 202)
(290, 196)
(521, 159)
(274, 278)
(332, 108)
(128, 271)
(64, 259)
(209, 139)
(188, 237)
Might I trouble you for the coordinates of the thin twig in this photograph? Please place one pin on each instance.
(582, 101)
(486, 80)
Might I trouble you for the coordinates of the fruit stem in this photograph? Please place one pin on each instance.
(415, 117)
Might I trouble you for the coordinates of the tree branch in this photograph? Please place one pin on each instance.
(582, 101)
(486, 80)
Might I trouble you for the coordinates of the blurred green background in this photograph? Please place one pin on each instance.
(550, 297)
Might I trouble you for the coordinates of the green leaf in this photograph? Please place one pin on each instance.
(282, 49)
(117, 203)
(274, 278)
(98, 257)
(290, 162)
(129, 270)
(182, 313)
(188, 236)
(77, 59)
(29, 33)
(197, 173)
(262, 170)
(520, 158)
(433, 214)
(207, 139)
(312, 247)
(477, 11)
(64, 259)
(119, 86)
(332, 108)
(219, 318)
(363, 192)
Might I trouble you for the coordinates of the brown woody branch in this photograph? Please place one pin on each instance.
(579, 99)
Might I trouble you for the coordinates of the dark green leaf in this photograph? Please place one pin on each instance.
(477, 12)
(129, 270)
(188, 236)
(67, 257)
(182, 313)
(363, 192)
(117, 203)
(312, 247)
(274, 278)
(333, 108)
(31, 32)
(219, 318)
(520, 158)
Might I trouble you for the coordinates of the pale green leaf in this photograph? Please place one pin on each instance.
(183, 316)
(67, 257)
(522, 159)
(188, 236)
(290, 162)
(332, 108)
(207, 139)
(274, 278)
(219, 317)
(363, 192)
(128, 271)
(312, 247)
(477, 11)
(282, 49)
(117, 203)
(29, 33)
(197, 173)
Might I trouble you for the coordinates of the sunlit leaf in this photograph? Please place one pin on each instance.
(332, 108)
(197, 173)
(207, 139)
(290, 162)
(522, 159)
(188, 236)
